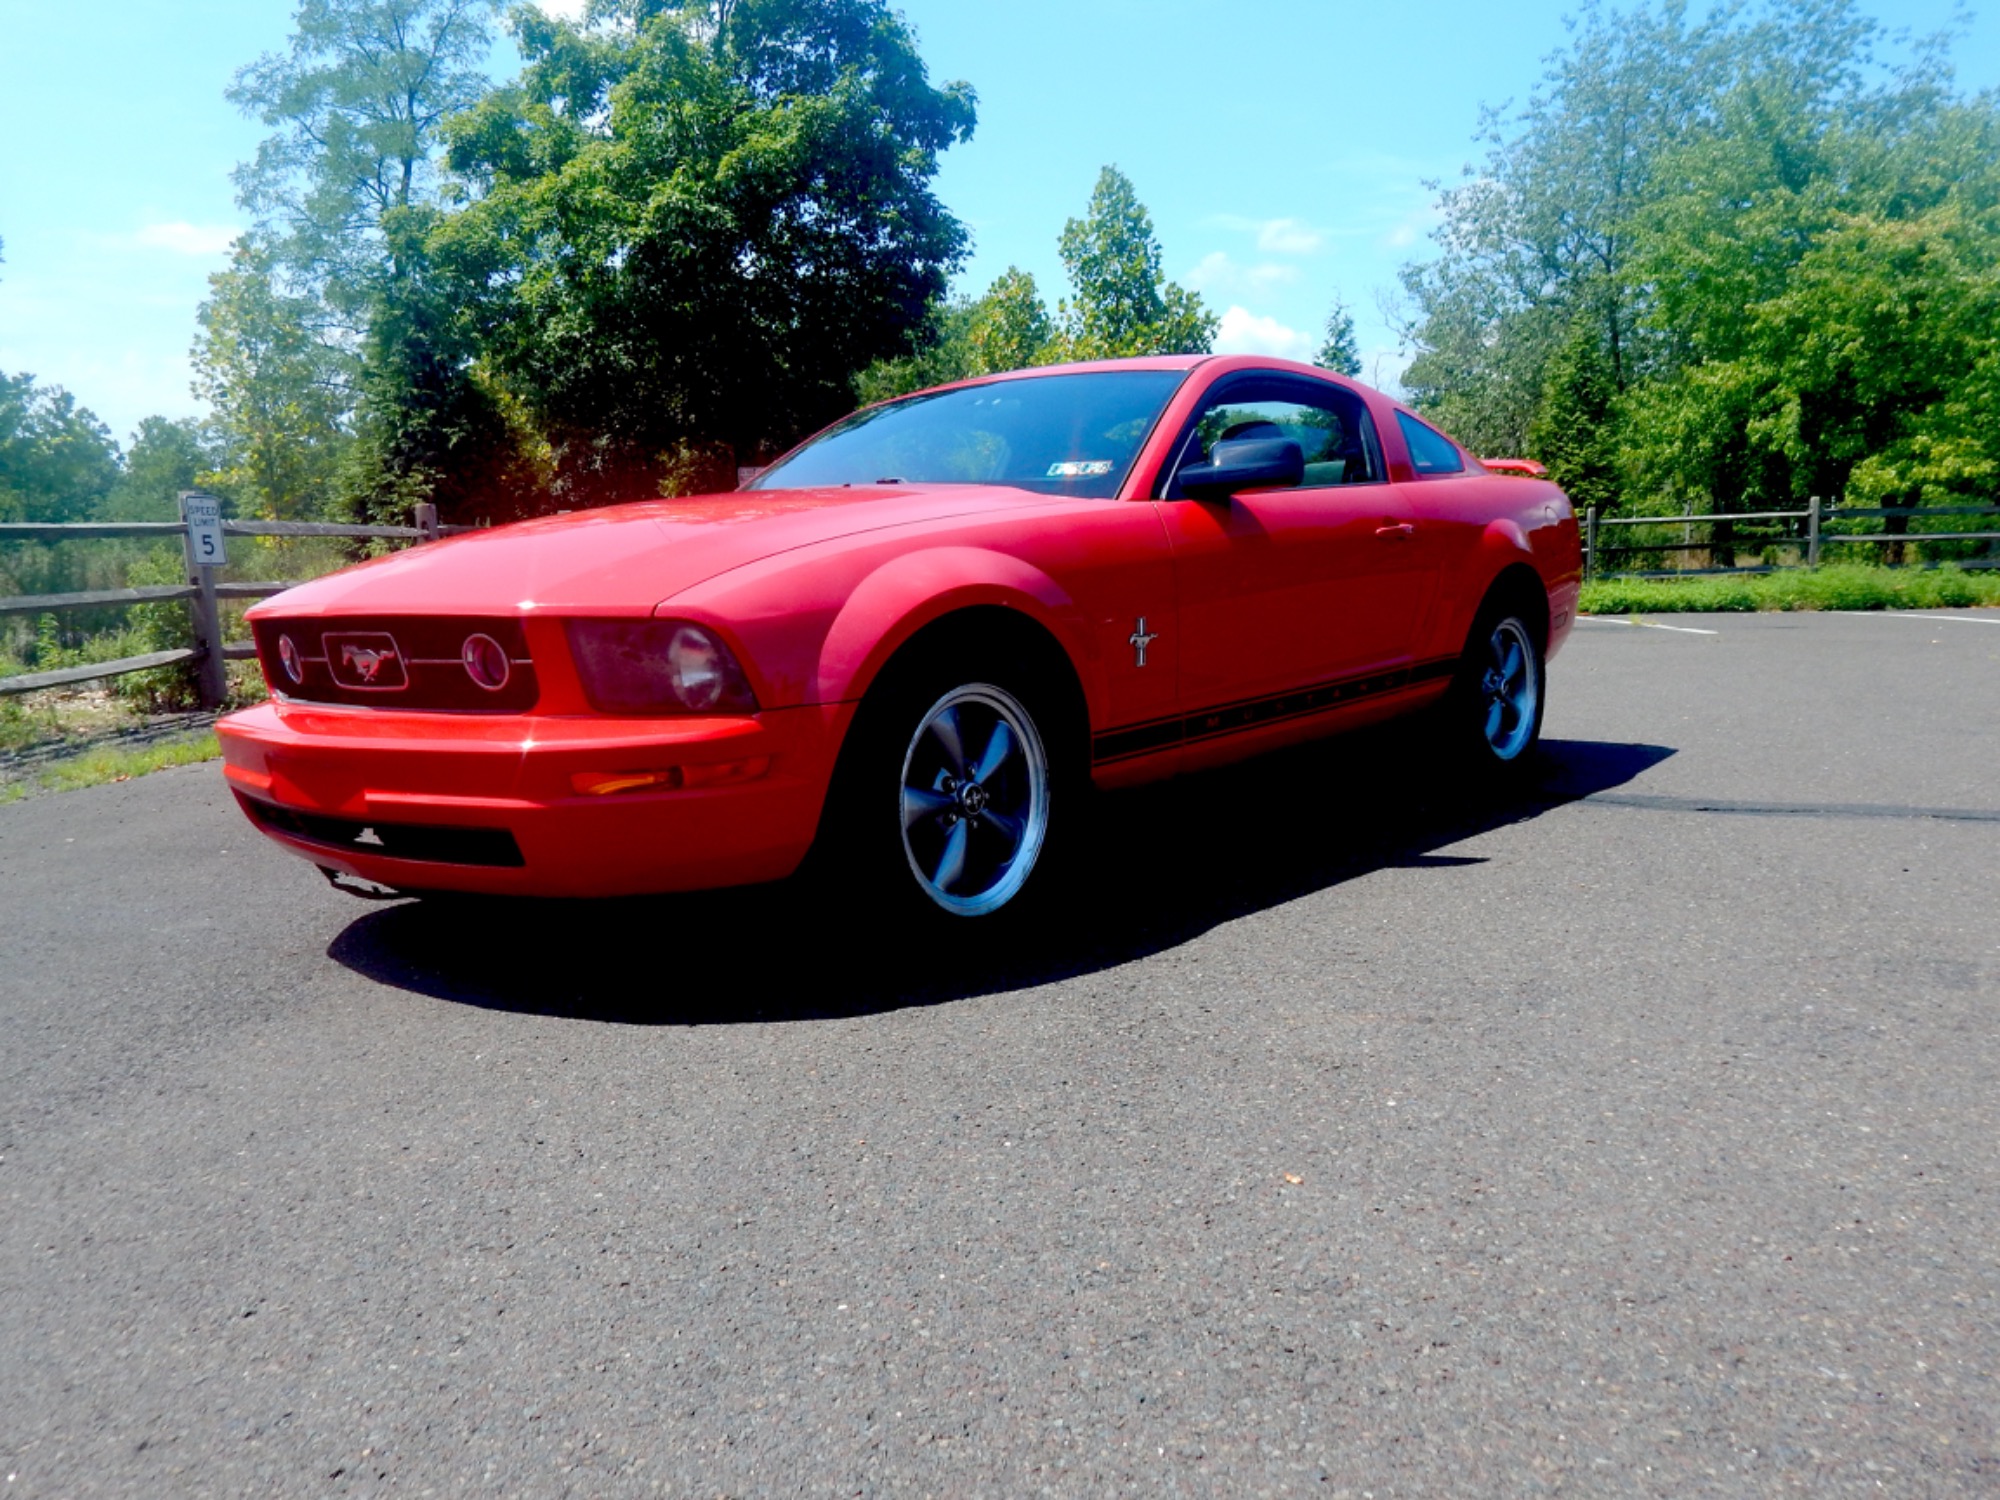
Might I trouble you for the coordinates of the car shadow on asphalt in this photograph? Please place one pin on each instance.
(1162, 865)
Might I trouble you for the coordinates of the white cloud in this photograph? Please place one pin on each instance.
(1288, 237)
(565, 10)
(1245, 332)
(1274, 236)
(1413, 225)
(1218, 275)
(183, 238)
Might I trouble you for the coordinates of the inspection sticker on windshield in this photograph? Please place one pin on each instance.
(1080, 468)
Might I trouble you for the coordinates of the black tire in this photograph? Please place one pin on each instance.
(953, 792)
(1493, 713)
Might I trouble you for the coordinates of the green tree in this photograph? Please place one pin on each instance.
(944, 354)
(280, 385)
(357, 105)
(1121, 302)
(1006, 329)
(1540, 235)
(166, 457)
(1823, 287)
(1340, 351)
(696, 222)
(57, 461)
(1010, 327)
(433, 424)
(1728, 264)
(1575, 429)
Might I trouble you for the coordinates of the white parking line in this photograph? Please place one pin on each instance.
(1643, 624)
(1897, 614)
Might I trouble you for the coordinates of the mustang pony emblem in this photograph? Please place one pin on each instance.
(367, 664)
(367, 660)
(1141, 638)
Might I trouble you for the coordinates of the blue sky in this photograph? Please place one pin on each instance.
(1282, 149)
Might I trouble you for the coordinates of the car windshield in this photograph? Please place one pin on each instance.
(1061, 434)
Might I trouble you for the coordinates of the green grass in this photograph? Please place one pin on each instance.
(96, 767)
(1836, 586)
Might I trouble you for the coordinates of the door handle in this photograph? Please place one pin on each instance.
(1399, 528)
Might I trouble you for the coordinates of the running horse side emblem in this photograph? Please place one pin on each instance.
(1140, 639)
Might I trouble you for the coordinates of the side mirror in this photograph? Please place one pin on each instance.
(1247, 464)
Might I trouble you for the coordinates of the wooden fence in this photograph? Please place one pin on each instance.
(1808, 535)
(203, 593)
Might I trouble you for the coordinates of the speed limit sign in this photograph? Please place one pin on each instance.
(203, 514)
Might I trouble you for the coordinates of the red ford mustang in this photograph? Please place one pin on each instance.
(909, 646)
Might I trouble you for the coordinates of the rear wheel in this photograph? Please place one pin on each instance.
(1495, 711)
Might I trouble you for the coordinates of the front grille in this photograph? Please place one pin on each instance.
(397, 661)
(434, 843)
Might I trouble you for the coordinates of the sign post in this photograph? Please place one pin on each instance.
(205, 553)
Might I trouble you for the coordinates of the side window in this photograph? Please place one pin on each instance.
(1430, 452)
(1330, 426)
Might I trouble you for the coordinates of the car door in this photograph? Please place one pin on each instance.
(1310, 586)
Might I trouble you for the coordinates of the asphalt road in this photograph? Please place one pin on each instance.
(1634, 1137)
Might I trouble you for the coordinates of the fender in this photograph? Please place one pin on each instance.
(1502, 545)
(904, 595)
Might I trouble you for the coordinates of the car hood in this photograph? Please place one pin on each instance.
(625, 559)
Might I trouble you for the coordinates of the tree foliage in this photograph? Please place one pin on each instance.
(1121, 302)
(57, 461)
(356, 105)
(1340, 349)
(695, 223)
(1728, 263)
(166, 457)
(1119, 305)
(281, 386)
(310, 319)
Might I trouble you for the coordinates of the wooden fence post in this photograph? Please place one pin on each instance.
(212, 676)
(1590, 542)
(427, 520)
(1812, 532)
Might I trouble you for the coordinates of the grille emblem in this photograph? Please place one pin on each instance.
(366, 661)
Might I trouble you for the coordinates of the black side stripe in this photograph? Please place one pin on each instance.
(1251, 713)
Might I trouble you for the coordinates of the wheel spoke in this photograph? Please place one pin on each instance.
(920, 803)
(1510, 665)
(1008, 827)
(945, 730)
(1494, 717)
(998, 747)
(951, 865)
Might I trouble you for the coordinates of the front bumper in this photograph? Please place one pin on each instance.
(457, 802)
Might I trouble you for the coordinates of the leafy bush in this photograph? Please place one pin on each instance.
(1840, 586)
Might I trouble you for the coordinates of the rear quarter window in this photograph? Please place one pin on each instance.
(1431, 452)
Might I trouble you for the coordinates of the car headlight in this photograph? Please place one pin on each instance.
(657, 666)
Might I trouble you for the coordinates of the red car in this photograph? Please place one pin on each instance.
(909, 646)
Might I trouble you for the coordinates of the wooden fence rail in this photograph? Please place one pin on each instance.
(202, 592)
(1812, 544)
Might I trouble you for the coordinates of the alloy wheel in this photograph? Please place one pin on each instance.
(1510, 690)
(975, 799)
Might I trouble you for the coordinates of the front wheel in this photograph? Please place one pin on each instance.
(948, 793)
(975, 797)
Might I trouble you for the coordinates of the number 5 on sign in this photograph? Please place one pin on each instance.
(203, 514)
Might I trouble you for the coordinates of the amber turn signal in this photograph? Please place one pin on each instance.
(668, 778)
